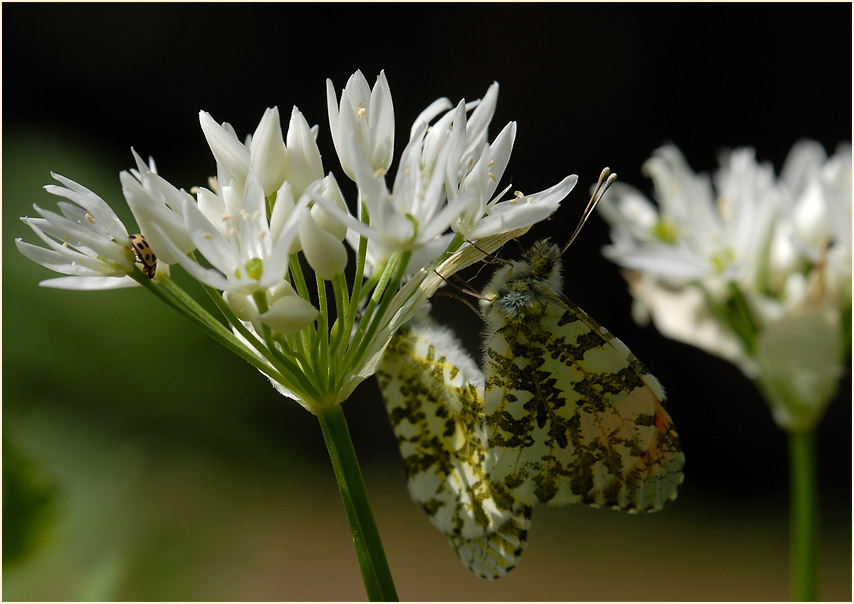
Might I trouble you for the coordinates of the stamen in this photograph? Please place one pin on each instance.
(90, 219)
(361, 111)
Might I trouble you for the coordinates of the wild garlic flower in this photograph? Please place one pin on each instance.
(248, 251)
(155, 201)
(86, 240)
(445, 181)
(750, 267)
(367, 117)
(271, 205)
(289, 167)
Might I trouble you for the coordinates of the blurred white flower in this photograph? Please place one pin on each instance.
(755, 269)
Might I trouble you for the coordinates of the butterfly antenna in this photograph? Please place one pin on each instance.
(606, 179)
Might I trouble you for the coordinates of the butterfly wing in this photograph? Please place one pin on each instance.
(572, 415)
(434, 397)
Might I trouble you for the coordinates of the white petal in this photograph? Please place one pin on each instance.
(89, 283)
(345, 217)
(520, 213)
(148, 211)
(210, 242)
(426, 116)
(324, 253)
(268, 159)
(230, 154)
(211, 205)
(276, 263)
(208, 276)
(381, 116)
(254, 228)
(304, 164)
(68, 262)
(476, 130)
(329, 190)
(289, 314)
(97, 207)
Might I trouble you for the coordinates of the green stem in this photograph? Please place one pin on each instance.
(369, 549)
(323, 331)
(189, 308)
(803, 514)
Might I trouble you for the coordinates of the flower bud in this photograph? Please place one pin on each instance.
(268, 160)
(303, 157)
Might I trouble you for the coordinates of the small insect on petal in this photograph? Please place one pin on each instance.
(144, 255)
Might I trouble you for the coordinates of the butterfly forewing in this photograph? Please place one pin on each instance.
(572, 416)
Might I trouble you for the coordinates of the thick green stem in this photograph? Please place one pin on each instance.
(366, 538)
(803, 514)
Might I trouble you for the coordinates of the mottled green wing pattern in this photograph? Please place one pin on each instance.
(562, 413)
(434, 397)
(572, 415)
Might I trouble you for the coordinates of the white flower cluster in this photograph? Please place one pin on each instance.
(750, 267)
(271, 200)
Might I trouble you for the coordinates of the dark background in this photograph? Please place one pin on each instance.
(170, 470)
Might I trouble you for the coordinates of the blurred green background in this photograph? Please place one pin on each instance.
(140, 462)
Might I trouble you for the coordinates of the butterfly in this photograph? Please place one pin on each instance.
(560, 412)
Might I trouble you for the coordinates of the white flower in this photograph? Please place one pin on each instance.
(248, 251)
(153, 200)
(268, 158)
(367, 116)
(415, 213)
(232, 156)
(267, 155)
(755, 269)
(286, 171)
(446, 178)
(87, 241)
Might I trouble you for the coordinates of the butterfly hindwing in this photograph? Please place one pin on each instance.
(434, 397)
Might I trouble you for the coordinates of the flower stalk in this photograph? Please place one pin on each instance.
(804, 514)
(366, 538)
